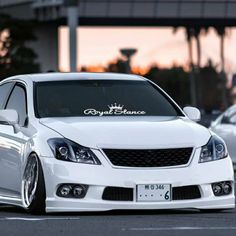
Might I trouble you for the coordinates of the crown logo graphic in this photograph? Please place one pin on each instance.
(115, 107)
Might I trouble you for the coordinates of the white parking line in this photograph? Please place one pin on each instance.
(38, 219)
(179, 228)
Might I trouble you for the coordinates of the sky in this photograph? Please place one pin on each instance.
(156, 45)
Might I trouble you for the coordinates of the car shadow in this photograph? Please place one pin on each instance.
(143, 212)
(18, 210)
(11, 209)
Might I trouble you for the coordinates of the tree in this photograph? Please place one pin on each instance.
(189, 33)
(119, 66)
(211, 89)
(15, 56)
(197, 34)
(175, 81)
(221, 31)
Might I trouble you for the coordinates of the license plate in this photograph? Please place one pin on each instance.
(153, 192)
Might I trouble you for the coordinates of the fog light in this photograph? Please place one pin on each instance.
(227, 188)
(78, 191)
(72, 190)
(64, 190)
(222, 188)
(217, 189)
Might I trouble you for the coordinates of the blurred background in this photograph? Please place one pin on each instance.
(187, 47)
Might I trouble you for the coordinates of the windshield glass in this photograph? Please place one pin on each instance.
(101, 98)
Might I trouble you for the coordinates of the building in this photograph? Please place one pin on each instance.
(50, 14)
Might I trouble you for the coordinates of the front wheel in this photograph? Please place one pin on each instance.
(33, 186)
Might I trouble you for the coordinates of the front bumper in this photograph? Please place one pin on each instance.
(98, 177)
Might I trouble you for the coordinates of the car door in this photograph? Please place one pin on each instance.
(5, 90)
(12, 144)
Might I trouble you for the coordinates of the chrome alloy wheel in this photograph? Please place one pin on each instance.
(30, 181)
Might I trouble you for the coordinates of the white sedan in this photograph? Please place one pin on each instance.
(225, 127)
(101, 141)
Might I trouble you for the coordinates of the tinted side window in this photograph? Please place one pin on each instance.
(17, 101)
(4, 91)
(229, 116)
(229, 119)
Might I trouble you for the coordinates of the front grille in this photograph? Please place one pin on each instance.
(186, 192)
(149, 158)
(126, 194)
(118, 194)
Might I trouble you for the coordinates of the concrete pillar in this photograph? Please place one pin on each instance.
(72, 21)
(46, 46)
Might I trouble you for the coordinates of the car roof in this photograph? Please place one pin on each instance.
(74, 76)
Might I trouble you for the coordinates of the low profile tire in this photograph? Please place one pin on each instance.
(33, 186)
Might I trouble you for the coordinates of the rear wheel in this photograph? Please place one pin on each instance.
(33, 186)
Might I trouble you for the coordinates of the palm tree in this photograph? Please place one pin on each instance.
(221, 31)
(197, 33)
(189, 33)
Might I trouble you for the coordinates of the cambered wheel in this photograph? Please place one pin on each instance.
(33, 186)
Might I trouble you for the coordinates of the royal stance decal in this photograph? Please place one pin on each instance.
(114, 109)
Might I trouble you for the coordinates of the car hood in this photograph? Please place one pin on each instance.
(130, 132)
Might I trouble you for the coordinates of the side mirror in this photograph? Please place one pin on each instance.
(9, 117)
(193, 113)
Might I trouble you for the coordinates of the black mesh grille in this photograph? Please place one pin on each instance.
(186, 192)
(149, 158)
(126, 194)
(118, 194)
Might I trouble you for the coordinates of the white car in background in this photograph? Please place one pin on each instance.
(102, 141)
(225, 127)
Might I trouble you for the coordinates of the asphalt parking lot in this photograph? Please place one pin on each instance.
(15, 221)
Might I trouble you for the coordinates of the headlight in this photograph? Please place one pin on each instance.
(214, 150)
(66, 150)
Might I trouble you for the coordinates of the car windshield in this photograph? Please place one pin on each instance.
(101, 98)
